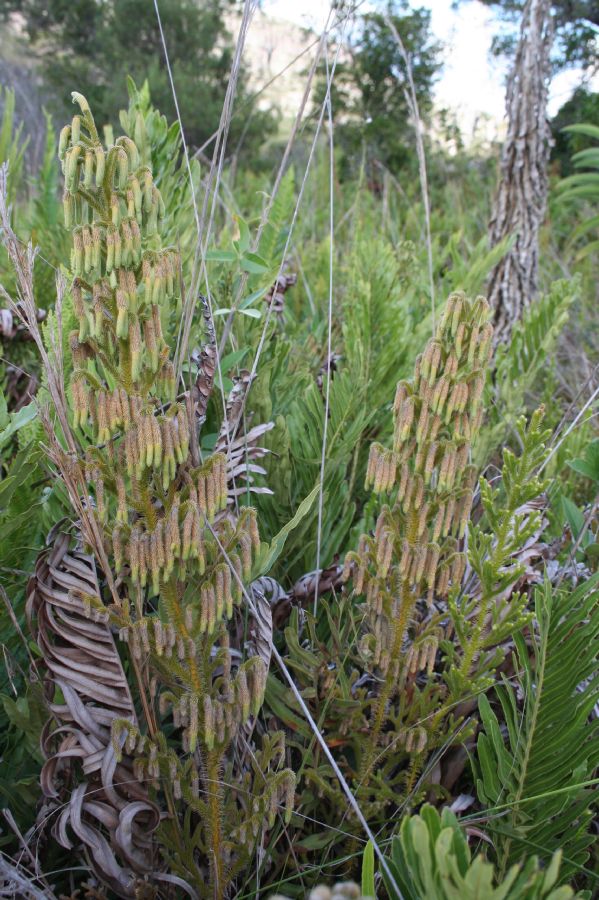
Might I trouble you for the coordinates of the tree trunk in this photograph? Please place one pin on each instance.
(521, 199)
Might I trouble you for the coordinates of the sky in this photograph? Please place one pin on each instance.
(472, 82)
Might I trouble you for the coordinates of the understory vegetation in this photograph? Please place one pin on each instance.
(298, 560)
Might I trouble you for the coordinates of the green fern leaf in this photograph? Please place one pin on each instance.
(536, 779)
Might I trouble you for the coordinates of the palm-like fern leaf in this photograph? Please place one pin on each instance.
(538, 775)
(583, 185)
(281, 212)
(535, 336)
(518, 365)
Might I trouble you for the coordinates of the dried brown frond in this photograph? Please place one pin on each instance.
(109, 809)
(275, 296)
(240, 444)
(206, 362)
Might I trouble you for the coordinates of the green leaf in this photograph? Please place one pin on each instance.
(209, 441)
(280, 701)
(592, 553)
(252, 313)
(589, 465)
(368, 871)
(21, 468)
(587, 250)
(4, 417)
(226, 384)
(582, 229)
(584, 468)
(551, 743)
(221, 256)
(17, 421)
(251, 298)
(243, 241)
(315, 841)
(232, 359)
(278, 542)
(583, 128)
(251, 262)
(574, 516)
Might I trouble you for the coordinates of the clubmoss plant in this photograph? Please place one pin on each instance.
(179, 557)
(415, 555)
(393, 668)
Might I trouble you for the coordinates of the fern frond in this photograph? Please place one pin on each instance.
(583, 185)
(470, 270)
(275, 230)
(538, 774)
(518, 365)
(534, 337)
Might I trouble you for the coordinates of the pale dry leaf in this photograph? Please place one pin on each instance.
(108, 811)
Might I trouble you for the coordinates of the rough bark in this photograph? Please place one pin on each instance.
(521, 199)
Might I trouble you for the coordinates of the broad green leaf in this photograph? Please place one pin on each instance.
(226, 384)
(574, 516)
(242, 242)
(221, 256)
(209, 441)
(583, 128)
(584, 468)
(233, 359)
(589, 464)
(592, 553)
(315, 841)
(251, 262)
(17, 421)
(368, 871)
(251, 298)
(274, 550)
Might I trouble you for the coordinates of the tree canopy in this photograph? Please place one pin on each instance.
(97, 43)
(369, 91)
(577, 29)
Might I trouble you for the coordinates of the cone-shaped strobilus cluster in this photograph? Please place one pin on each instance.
(162, 516)
(415, 551)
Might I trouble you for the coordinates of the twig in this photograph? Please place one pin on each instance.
(329, 339)
(569, 429)
(412, 102)
(20, 884)
(277, 183)
(267, 318)
(199, 264)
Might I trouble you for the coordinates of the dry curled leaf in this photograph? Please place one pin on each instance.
(329, 366)
(260, 630)
(205, 359)
(95, 796)
(240, 446)
(275, 297)
(320, 581)
(12, 327)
